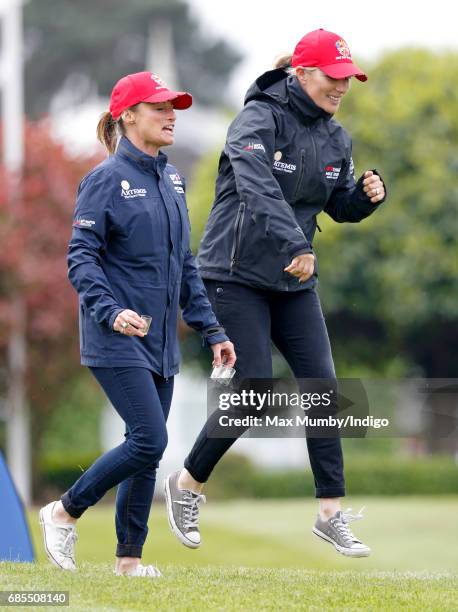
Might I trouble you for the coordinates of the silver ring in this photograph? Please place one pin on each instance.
(124, 325)
(377, 191)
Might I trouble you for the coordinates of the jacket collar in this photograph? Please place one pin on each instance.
(302, 105)
(127, 150)
(278, 86)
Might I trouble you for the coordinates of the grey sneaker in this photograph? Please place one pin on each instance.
(337, 532)
(183, 511)
(59, 539)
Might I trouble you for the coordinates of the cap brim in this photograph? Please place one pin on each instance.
(180, 99)
(343, 70)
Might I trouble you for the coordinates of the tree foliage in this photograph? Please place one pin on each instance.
(389, 284)
(398, 270)
(84, 47)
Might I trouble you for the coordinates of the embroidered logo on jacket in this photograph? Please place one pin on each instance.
(80, 222)
(331, 172)
(254, 146)
(127, 192)
(284, 167)
(177, 182)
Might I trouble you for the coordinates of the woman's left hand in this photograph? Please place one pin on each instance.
(373, 186)
(223, 352)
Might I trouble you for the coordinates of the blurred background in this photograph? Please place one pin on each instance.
(388, 286)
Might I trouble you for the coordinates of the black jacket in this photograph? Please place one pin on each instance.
(285, 160)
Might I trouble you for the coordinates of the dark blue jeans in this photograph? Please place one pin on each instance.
(142, 399)
(294, 322)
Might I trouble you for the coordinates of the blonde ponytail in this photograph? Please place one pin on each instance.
(283, 60)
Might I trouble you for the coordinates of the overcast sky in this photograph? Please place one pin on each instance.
(262, 29)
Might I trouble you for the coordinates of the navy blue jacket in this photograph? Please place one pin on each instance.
(285, 160)
(130, 249)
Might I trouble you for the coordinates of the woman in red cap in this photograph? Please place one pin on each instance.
(130, 262)
(286, 159)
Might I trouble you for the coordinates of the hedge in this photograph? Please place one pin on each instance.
(237, 477)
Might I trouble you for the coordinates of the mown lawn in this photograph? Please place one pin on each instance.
(262, 555)
(238, 588)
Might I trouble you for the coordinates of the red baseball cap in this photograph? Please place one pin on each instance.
(327, 51)
(144, 87)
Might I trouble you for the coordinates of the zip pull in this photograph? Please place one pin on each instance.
(237, 231)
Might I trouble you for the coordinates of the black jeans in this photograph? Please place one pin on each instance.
(294, 322)
(142, 399)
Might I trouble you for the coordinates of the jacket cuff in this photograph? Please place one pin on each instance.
(302, 252)
(214, 335)
(113, 316)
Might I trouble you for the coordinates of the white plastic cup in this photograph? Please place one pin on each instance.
(222, 374)
(147, 320)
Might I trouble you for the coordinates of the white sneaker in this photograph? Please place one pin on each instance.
(142, 571)
(59, 539)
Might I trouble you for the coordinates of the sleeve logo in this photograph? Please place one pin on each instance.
(80, 222)
(254, 146)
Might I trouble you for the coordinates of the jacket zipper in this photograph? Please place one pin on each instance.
(237, 233)
(83, 333)
(301, 174)
(313, 163)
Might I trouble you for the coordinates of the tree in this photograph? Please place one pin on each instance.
(33, 262)
(86, 46)
(396, 272)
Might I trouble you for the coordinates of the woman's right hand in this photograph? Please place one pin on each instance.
(302, 267)
(129, 323)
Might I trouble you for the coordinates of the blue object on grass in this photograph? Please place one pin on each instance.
(15, 541)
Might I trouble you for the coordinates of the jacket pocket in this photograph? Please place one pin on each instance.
(235, 251)
(301, 175)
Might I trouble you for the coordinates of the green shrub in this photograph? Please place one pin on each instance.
(59, 470)
(237, 477)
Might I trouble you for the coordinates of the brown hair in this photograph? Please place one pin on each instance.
(107, 131)
(283, 61)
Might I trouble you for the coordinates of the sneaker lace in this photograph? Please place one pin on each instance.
(190, 505)
(69, 538)
(342, 524)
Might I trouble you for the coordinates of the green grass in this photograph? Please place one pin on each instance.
(262, 555)
(238, 588)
